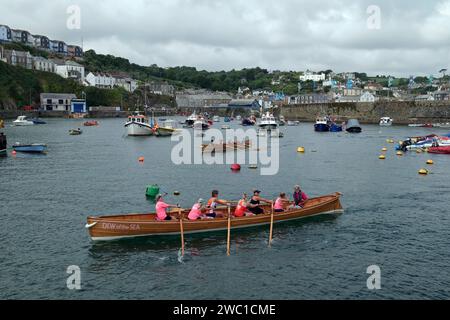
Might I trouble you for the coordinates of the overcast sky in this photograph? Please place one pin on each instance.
(413, 37)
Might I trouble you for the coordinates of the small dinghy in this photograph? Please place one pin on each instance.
(75, 132)
(30, 148)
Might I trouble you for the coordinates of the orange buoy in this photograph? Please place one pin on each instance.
(141, 159)
(14, 152)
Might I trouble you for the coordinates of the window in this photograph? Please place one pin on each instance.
(60, 101)
(49, 101)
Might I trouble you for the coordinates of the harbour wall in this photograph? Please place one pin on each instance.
(403, 112)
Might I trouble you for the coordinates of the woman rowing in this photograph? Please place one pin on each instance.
(161, 207)
(212, 205)
(196, 212)
(242, 208)
(281, 203)
(255, 202)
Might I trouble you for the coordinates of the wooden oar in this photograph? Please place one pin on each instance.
(229, 231)
(271, 226)
(180, 216)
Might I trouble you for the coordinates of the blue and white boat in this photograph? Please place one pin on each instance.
(335, 128)
(322, 124)
(30, 148)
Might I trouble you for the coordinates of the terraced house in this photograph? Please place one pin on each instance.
(5, 34)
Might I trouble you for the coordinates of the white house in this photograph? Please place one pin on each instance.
(42, 64)
(57, 101)
(367, 97)
(127, 83)
(311, 76)
(425, 97)
(5, 34)
(70, 70)
(100, 80)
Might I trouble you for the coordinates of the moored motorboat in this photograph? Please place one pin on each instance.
(191, 120)
(386, 121)
(291, 123)
(248, 122)
(142, 225)
(91, 123)
(201, 124)
(75, 132)
(38, 121)
(22, 121)
(227, 119)
(30, 148)
(166, 128)
(216, 119)
(322, 124)
(268, 122)
(439, 150)
(138, 125)
(334, 127)
(353, 126)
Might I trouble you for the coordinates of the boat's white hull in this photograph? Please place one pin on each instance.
(385, 124)
(23, 123)
(138, 129)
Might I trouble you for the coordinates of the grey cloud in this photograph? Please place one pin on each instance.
(224, 34)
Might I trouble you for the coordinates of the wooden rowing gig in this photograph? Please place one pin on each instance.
(141, 225)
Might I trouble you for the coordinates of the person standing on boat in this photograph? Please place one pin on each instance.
(161, 207)
(255, 202)
(196, 212)
(212, 204)
(281, 203)
(300, 197)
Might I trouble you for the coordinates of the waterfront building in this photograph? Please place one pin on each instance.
(57, 101)
(22, 36)
(244, 103)
(100, 80)
(41, 42)
(367, 97)
(78, 106)
(353, 92)
(69, 70)
(74, 51)
(19, 58)
(125, 82)
(311, 76)
(160, 88)
(42, 64)
(425, 97)
(311, 98)
(5, 34)
(441, 95)
(201, 99)
(59, 47)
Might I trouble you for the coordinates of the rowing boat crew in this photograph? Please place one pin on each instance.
(244, 206)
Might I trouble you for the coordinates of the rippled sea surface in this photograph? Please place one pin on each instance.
(393, 218)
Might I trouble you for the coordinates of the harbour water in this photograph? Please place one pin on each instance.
(393, 218)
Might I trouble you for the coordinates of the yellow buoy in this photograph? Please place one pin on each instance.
(399, 153)
(384, 149)
(430, 162)
(301, 149)
(382, 157)
(390, 141)
(423, 171)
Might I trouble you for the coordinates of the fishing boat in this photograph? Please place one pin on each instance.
(201, 124)
(440, 150)
(166, 128)
(38, 121)
(334, 127)
(75, 132)
(116, 227)
(429, 141)
(30, 148)
(216, 119)
(268, 122)
(138, 125)
(386, 121)
(22, 121)
(353, 126)
(90, 123)
(322, 124)
(3, 144)
(191, 120)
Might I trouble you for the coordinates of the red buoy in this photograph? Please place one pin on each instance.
(141, 159)
(14, 152)
(236, 167)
